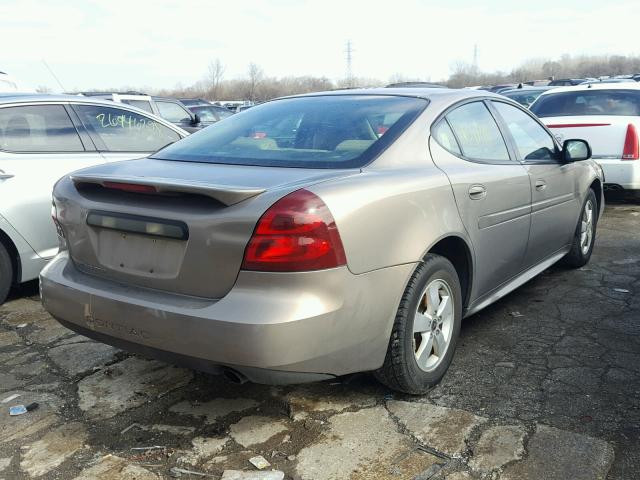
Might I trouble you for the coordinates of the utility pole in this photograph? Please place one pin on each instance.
(349, 58)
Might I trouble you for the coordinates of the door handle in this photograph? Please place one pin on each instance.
(541, 184)
(477, 192)
(4, 176)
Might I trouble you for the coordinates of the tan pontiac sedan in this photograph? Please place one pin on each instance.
(320, 235)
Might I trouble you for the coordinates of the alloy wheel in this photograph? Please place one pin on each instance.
(433, 325)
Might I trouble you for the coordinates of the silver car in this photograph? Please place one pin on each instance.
(320, 235)
(42, 138)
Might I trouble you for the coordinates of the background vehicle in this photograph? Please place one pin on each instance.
(415, 85)
(209, 114)
(187, 102)
(42, 138)
(608, 80)
(607, 115)
(170, 109)
(318, 246)
(566, 82)
(524, 95)
(499, 88)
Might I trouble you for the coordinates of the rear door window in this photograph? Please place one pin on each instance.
(588, 102)
(532, 141)
(38, 128)
(478, 133)
(119, 130)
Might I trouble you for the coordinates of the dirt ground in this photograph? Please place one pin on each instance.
(545, 384)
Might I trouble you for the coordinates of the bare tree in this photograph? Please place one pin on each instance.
(255, 77)
(214, 78)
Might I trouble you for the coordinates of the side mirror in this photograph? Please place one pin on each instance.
(195, 120)
(575, 150)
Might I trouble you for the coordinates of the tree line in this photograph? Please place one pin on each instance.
(256, 86)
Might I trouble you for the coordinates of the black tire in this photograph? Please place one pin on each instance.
(576, 258)
(6, 273)
(400, 370)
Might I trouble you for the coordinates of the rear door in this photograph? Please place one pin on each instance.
(121, 134)
(39, 143)
(554, 206)
(492, 191)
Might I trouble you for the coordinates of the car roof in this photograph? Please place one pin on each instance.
(444, 94)
(595, 86)
(47, 97)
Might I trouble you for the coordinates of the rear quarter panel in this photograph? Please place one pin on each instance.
(399, 207)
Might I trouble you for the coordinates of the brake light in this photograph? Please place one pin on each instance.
(631, 150)
(297, 233)
(130, 187)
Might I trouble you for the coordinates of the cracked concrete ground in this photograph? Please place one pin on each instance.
(550, 392)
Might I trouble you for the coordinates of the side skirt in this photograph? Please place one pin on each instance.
(514, 283)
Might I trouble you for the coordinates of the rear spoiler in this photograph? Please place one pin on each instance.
(226, 194)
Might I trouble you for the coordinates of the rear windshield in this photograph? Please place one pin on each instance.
(331, 131)
(588, 102)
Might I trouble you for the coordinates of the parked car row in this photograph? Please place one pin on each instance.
(185, 115)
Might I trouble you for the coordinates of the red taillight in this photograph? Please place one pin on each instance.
(130, 187)
(631, 150)
(297, 233)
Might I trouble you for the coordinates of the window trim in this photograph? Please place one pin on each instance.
(99, 143)
(443, 115)
(514, 147)
(47, 152)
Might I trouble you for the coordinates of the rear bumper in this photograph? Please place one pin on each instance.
(272, 327)
(625, 173)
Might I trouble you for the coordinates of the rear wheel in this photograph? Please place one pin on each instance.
(426, 328)
(6, 273)
(585, 234)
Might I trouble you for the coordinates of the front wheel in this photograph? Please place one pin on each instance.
(585, 234)
(426, 328)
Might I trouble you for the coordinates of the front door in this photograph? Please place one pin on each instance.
(553, 183)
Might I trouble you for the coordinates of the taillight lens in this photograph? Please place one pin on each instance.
(631, 150)
(297, 233)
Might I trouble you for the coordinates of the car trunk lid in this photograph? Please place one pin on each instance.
(606, 134)
(168, 225)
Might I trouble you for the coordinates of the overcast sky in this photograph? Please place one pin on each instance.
(114, 43)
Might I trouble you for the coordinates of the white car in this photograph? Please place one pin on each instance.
(42, 138)
(606, 115)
